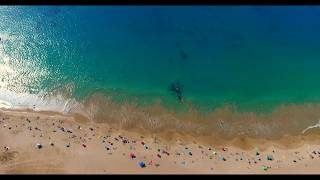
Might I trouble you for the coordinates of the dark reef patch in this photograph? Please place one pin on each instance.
(183, 54)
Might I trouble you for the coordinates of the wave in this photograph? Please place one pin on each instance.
(311, 127)
(41, 102)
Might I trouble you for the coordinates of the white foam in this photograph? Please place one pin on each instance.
(311, 127)
(41, 102)
(5, 104)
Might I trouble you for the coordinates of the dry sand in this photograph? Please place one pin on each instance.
(71, 145)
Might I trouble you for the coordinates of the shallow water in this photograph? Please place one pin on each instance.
(237, 65)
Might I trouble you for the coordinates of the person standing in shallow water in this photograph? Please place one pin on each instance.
(176, 88)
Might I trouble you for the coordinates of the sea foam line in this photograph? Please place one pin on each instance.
(311, 127)
(58, 103)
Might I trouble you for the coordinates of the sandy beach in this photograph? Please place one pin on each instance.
(159, 90)
(42, 142)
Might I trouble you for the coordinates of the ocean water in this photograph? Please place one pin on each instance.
(250, 70)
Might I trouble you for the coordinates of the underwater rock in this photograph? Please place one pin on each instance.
(183, 54)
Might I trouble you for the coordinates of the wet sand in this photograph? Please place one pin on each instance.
(34, 142)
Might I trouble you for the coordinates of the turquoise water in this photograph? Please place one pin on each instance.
(254, 57)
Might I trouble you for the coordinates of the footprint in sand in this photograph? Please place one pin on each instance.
(7, 156)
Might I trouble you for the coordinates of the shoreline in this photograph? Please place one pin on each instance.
(90, 150)
(283, 142)
(225, 122)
